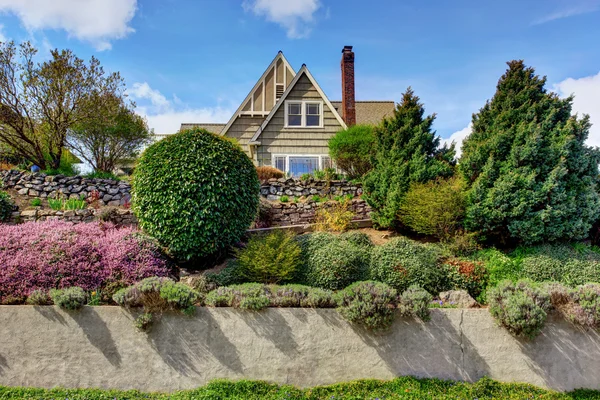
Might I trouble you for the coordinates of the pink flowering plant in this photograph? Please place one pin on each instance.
(40, 256)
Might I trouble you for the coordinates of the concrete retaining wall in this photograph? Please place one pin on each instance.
(99, 347)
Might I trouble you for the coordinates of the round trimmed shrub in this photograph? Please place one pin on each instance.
(402, 263)
(371, 304)
(195, 192)
(336, 265)
(414, 302)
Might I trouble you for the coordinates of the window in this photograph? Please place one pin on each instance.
(326, 162)
(279, 162)
(303, 165)
(304, 114)
(294, 114)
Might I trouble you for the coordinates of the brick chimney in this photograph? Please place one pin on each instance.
(348, 98)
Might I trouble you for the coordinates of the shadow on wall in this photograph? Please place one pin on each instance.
(436, 348)
(3, 364)
(196, 341)
(570, 351)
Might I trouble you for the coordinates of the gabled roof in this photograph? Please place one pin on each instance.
(235, 115)
(303, 71)
(370, 112)
(212, 128)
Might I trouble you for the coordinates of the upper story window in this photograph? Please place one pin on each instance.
(303, 114)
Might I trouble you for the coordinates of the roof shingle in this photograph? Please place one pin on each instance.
(369, 112)
(211, 127)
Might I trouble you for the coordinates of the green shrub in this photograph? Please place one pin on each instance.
(230, 275)
(336, 265)
(334, 217)
(39, 298)
(402, 263)
(499, 266)
(469, 275)
(358, 238)
(195, 192)
(352, 149)
(102, 175)
(35, 202)
(586, 311)
(415, 302)
(284, 199)
(301, 296)
(521, 308)
(435, 208)
(270, 258)
(156, 294)
(71, 299)
(370, 304)
(561, 263)
(6, 206)
(248, 296)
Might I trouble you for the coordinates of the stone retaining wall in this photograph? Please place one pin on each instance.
(99, 347)
(301, 213)
(115, 215)
(275, 188)
(109, 192)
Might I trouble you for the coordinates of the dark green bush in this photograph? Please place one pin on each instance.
(370, 304)
(521, 308)
(358, 238)
(402, 263)
(230, 275)
(195, 192)
(249, 296)
(336, 265)
(6, 206)
(71, 299)
(301, 296)
(269, 258)
(415, 302)
(352, 149)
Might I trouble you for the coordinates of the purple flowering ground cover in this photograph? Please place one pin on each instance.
(56, 254)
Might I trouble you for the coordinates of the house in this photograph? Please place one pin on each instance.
(286, 119)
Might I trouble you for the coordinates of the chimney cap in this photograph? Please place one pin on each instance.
(346, 49)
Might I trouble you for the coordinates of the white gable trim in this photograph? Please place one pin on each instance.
(250, 96)
(303, 70)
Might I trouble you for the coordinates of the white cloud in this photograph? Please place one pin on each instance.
(2, 37)
(94, 21)
(575, 8)
(166, 116)
(295, 16)
(587, 101)
(458, 137)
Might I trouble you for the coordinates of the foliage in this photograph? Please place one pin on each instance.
(358, 238)
(414, 302)
(284, 199)
(6, 206)
(66, 166)
(402, 263)
(561, 263)
(336, 264)
(586, 311)
(55, 255)
(102, 175)
(352, 149)
(39, 298)
(195, 192)
(230, 275)
(72, 298)
(521, 308)
(469, 275)
(144, 321)
(336, 217)
(435, 208)
(42, 101)
(370, 304)
(406, 150)
(499, 265)
(115, 133)
(67, 204)
(327, 174)
(35, 202)
(531, 176)
(399, 388)
(463, 243)
(301, 296)
(248, 296)
(269, 258)
(266, 172)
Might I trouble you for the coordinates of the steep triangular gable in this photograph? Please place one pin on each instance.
(267, 90)
(303, 71)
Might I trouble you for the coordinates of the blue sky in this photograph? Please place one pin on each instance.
(195, 60)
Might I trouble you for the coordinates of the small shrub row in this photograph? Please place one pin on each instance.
(522, 307)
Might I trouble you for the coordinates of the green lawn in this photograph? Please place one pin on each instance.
(400, 388)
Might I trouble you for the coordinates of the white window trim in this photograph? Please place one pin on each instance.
(303, 104)
(287, 159)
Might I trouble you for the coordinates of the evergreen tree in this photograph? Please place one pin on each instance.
(406, 150)
(531, 176)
